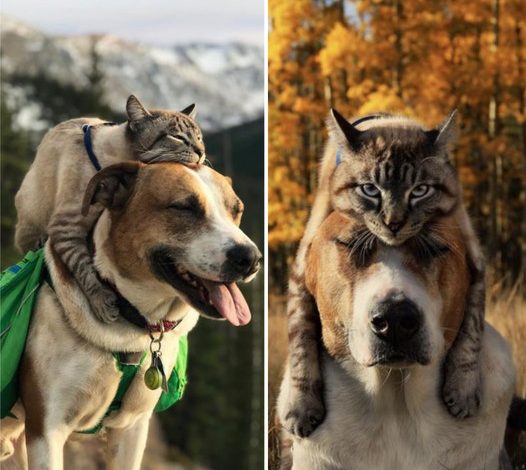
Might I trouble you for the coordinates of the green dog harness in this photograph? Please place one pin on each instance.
(176, 383)
(19, 286)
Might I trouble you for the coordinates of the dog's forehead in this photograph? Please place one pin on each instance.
(172, 179)
(214, 180)
(346, 270)
(338, 228)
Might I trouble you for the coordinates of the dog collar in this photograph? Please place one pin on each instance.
(88, 144)
(131, 314)
(167, 325)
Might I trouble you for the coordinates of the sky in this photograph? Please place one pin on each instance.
(155, 22)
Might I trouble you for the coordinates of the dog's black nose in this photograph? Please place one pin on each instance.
(244, 259)
(396, 321)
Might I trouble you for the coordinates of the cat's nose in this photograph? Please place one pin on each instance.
(394, 226)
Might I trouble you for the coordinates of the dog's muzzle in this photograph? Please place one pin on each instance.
(398, 331)
(242, 261)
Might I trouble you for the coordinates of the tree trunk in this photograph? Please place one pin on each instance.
(521, 97)
(493, 131)
(398, 72)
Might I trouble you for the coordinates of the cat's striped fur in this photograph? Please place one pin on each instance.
(50, 197)
(395, 155)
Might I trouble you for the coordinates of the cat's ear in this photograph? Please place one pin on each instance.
(111, 186)
(445, 135)
(341, 131)
(135, 111)
(190, 111)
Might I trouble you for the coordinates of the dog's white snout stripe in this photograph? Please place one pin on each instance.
(208, 252)
(392, 281)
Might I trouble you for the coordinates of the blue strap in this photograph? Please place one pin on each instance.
(338, 157)
(368, 117)
(89, 146)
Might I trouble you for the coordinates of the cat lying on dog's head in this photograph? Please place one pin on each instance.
(395, 178)
(50, 197)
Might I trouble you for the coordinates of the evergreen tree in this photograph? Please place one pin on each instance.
(15, 150)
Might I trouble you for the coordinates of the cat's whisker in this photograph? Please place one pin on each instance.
(453, 247)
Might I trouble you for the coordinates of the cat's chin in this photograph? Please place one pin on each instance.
(387, 237)
(393, 241)
(389, 240)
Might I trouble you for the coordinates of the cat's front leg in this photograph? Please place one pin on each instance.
(303, 409)
(462, 382)
(68, 232)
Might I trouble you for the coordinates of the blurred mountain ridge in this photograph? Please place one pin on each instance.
(225, 80)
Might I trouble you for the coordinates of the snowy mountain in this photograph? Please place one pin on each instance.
(226, 81)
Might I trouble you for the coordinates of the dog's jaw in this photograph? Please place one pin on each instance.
(154, 299)
(393, 276)
(212, 299)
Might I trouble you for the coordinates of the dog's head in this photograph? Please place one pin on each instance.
(387, 305)
(178, 225)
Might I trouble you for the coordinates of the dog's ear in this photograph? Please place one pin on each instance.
(111, 186)
(190, 111)
(136, 111)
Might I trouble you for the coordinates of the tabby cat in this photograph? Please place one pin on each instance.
(50, 197)
(396, 178)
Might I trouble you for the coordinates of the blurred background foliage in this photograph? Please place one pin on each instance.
(219, 422)
(421, 58)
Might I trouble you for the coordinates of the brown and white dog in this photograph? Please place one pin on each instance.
(388, 321)
(170, 243)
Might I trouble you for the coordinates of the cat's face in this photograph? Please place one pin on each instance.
(159, 135)
(394, 174)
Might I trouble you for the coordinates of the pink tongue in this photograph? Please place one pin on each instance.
(229, 302)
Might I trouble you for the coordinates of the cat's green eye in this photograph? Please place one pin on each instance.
(422, 190)
(369, 189)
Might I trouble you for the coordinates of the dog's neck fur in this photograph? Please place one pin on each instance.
(385, 386)
(381, 420)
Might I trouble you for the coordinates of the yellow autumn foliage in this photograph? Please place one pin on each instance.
(422, 58)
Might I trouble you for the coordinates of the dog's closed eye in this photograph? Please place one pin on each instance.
(360, 246)
(190, 205)
(237, 209)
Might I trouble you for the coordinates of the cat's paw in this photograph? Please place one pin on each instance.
(303, 413)
(462, 392)
(104, 305)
